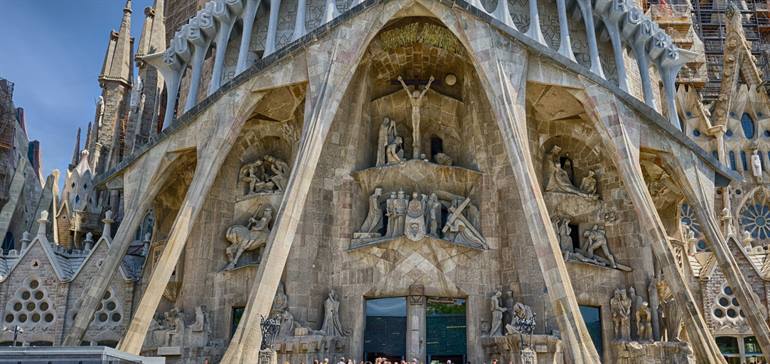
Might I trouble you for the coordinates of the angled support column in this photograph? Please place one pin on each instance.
(249, 16)
(503, 73)
(623, 147)
(565, 44)
(587, 12)
(534, 31)
(503, 14)
(141, 183)
(329, 75)
(669, 63)
(171, 65)
(272, 27)
(637, 30)
(612, 13)
(199, 32)
(214, 146)
(698, 183)
(299, 21)
(225, 12)
(330, 11)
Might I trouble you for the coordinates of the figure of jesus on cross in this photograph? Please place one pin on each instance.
(415, 98)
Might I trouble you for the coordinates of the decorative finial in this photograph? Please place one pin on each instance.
(89, 242)
(41, 227)
(107, 232)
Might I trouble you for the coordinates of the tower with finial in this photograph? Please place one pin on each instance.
(115, 80)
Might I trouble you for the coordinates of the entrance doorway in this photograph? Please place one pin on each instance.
(446, 330)
(385, 332)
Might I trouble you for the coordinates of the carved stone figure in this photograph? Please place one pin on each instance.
(636, 302)
(620, 305)
(727, 222)
(692, 241)
(588, 184)
(386, 136)
(459, 229)
(415, 217)
(747, 239)
(671, 317)
(756, 164)
(522, 320)
(497, 314)
(557, 179)
(373, 222)
(394, 152)
(390, 212)
(596, 238)
(331, 324)
(250, 237)
(415, 99)
(434, 215)
(400, 206)
(280, 171)
(563, 231)
(99, 111)
(644, 322)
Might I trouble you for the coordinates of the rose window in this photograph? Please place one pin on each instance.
(687, 218)
(755, 216)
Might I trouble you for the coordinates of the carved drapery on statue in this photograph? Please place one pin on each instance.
(557, 179)
(421, 216)
(250, 237)
(169, 330)
(266, 175)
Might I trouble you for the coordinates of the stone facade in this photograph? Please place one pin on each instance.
(410, 179)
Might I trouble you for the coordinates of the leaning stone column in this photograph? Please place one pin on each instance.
(199, 32)
(637, 30)
(249, 15)
(416, 329)
(215, 141)
(503, 73)
(225, 12)
(272, 27)
(587, 12)
(329, 78)
(698, 183)
(141, 184)
(299, 21)
(623, 146)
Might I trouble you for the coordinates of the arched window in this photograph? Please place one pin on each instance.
(733, 163)
(744, 162)
(748, 126)
(687, 218)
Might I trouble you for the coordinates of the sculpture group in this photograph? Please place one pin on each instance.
(289, 326)
(559, 180)
(594, 239)
(509, 317)
(421, 215)
(265, 175)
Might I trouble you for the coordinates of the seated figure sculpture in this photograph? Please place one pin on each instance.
(558, 180)
(250, 237)
(265, 175)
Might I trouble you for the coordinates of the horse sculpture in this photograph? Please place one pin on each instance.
(248, 238)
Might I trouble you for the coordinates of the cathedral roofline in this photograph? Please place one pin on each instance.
(723, 174)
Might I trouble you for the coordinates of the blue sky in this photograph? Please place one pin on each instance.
(52, 50)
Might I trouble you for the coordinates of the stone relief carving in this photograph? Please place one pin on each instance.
(387, 137)
(620, 305)
(331, 325)
(558, 179)
(249, 237)
(421, 216)
(168, 329)
(594, 239)
(756, 164)
(265, 175)
(374, 221)
(563, 231)
(668, 312)
(497, 314)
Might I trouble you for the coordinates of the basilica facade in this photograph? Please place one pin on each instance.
(525, 181)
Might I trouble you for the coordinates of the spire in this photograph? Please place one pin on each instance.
(117, 60)
(87, 143)
(76, 152)
(153, 38)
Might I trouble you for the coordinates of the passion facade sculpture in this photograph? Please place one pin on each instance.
(415, 100)
(558, 179)
(421, 215)
(265, 175)
(249, 237)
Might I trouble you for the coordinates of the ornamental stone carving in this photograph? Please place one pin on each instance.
(331, 325)
(266, 175)
(374, 220)
(496, 326)
(249, 237)
(558, 180)
(620, 305)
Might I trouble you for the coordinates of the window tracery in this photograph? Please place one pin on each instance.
(687, 218)
(30, 306)
(755, 215)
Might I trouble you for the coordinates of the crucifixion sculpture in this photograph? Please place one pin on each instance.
(415, 99)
